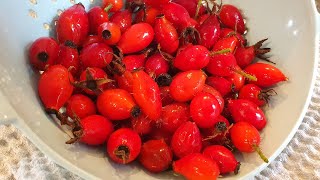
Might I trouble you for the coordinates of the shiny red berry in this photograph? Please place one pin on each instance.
(109, 33)
(231, 17)
(123, 19)
(186, 140)
(124, 146)
(117, 104)
(69, 57)
(43, 53)
(96, 55)
(156, 65)
(155, 156)
(97, 16)
(54, 87)
(196, 166)
(73, 25)
(224, 157)
(80, 106)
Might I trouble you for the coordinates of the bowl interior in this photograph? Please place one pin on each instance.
(291, 36)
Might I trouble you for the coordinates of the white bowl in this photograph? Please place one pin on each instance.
(290, 25)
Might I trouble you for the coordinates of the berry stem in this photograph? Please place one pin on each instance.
(246, 75)
(223, 51)
(198, 9)
(262, 156)
(108, 7)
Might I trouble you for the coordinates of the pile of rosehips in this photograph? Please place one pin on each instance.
(171, 84)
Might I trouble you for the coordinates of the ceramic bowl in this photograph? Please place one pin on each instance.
(290, 25)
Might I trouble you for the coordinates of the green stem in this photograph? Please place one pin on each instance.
(262, 156)
(107, 8)
(198, 9)
(246, 75)
(223, 51)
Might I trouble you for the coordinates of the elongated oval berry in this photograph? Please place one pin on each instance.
(117, 104)
(176, 14)
(133, 62)
(54, 87)
(136, 38)
(73, 25)
(96, 55)
(232, 18)
(255, 94)
(96, 130)
(224, 157)
(267, 75)
(43, 53)
(245, 137)
(149, 16)
(187, 84)
(209, 31)
(245, 110)
(197, 167)
(142, 125)
(146, 92)
(204, 110)
(222, 65)
(124, 146)
(191, 6)
(166, 35)
(192, 58)
(186, 140)
(69, 57)
(173, 116)
(155, 156)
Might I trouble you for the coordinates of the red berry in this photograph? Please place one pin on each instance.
(246, 138)
(224, 157)
(204, 109)
(97, 16)
(95, 130)
(226, 32)
(73, 25)
(156, 65)
(123, 19)
(186, 140)
(158, 134)
(245, 110)
(109, 33)
(218, 132)
(43, 53)
(80, 106)
(142, 125)
(176, 14)
(216, 94)
(136, 38)
(221, 84)
(96, 55)
(197, 167)
(209, 31)
(93, 80)
(222, 65)
(192, 58)
(227, 43)
(255, 94)
(166, 35)
(134, 62)
(117, 104)
(157, 4)
(236, 79)
(146, 92)
(54, 87)
(69, 57)
(231, 17)
(155, 156)
(173, 116)
(124, 146)
(186, 85)
(266, 74)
